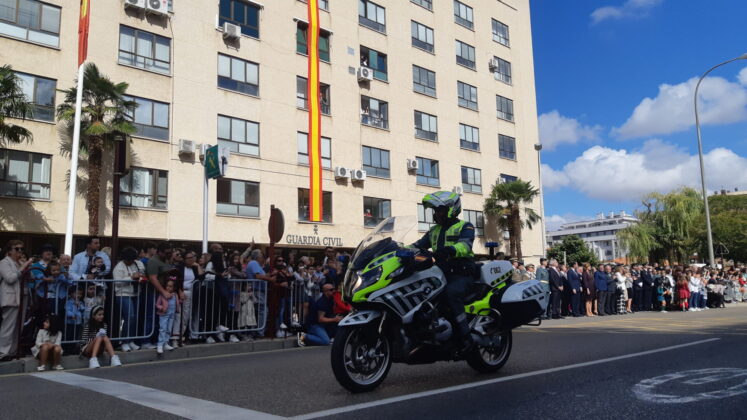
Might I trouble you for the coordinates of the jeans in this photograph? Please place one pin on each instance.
(167, 323)
(281, 312)
(148, 308)
(694, 300)
(128, 312)
(316, 335)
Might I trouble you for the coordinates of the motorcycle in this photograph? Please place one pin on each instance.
(399, 314)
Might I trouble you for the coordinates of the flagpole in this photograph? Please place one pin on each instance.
(74, 165)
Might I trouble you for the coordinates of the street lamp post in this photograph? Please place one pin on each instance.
(538, 148)
(711, 258)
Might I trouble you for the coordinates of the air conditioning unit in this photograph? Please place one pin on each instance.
(231, 31)
(202, 149)
(341, 172)
(186, 147)
(358, 175)
(493, 64)
(135, 4)
(458, 189)
(159, 7)
(365, 74)
(412, 164)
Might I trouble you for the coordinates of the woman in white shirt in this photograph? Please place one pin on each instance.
(694, 285)
(187, 273)
(131, 271)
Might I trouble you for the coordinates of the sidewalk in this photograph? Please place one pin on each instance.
(29, 364)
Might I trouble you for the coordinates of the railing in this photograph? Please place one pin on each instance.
(227, 306)
(374, 121)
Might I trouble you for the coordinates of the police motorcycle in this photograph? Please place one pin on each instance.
(398, 315)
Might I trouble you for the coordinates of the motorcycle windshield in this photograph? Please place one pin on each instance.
(387, 236)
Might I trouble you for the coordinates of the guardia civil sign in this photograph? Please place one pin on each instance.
(213, 164)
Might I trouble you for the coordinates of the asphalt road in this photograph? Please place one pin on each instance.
(675, 365)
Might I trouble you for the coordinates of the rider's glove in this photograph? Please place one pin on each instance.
(444, 253)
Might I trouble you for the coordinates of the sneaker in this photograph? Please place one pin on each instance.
(58, 367)
(147, 346)
(93, 363)
(41, 369)
(283, 326)
(233, 339)
(210, 340)
(280, 334)
(221, 328)
(167, 347)
(134, 346)
(692, 310)
(126, 347)
(221, 337)
(175, 343)
(115, 361)
(301, 340)
(159, 350)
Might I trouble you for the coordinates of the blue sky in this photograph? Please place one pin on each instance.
(615, 82)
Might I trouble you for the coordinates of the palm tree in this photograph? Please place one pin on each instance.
(14, 104)
(104, 116)
(505, 204)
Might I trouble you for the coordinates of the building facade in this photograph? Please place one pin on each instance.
(450, 104)
(600, 234)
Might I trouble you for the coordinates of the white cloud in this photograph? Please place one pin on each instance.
(620, 175)
(629, 9)
(742, 76)
(555, 129)
(720, 102)
(554, 221)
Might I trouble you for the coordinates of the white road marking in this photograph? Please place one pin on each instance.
(650, 390)
(180, 405)
(462, 387)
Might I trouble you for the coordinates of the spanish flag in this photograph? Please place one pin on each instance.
(83, 25)
(315, 119)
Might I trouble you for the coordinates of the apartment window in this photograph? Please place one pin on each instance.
(467, 95)
(426, 126)
(238, 75)
(303, 205)
(371, 15)
(477, 219)
(24, 174)
(469, 137)
(375, 210)
(144, 50)
(238, 136)
(500, 33)
(375, 61)
(302, 92)
(150, 118)
(505, 108)
(323, 4)
(471, 180)
(428, 4)
(422, 36)
(303, 150)
(423, 81)
(465, 54)
(374, 112)
(507, 178)
(242, 13)
(502, 71)
(463, 14)
(40, 91)
(147, 188)
(302, 41)
(427, 173)
(30, 20)
(506, 147)
(238, 198)
(375, 161)
(425, 218)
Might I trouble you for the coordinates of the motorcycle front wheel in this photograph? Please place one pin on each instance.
(490, 359)
(361, 358)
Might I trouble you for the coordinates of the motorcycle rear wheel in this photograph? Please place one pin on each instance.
(361, 358)
(487, 360)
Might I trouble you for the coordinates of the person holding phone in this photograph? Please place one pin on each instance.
(321, 323)
(12, 268)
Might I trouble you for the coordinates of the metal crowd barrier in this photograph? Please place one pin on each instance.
(239, 305)
(302, 295)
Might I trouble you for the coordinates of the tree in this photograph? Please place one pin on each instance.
(729, 226)
(104, 116)
(505, 205)
(574, 249)
(14, 104)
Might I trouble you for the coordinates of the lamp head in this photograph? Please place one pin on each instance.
(742, 57)
(538, 146)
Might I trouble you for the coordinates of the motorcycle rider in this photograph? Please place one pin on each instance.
(451, 241)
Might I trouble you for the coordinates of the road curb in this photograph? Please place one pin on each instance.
(194, 351)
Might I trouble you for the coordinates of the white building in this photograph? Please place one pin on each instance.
(600, 234)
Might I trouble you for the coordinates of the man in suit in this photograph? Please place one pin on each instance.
(574, 286)
(556, 289)
(648, 288)
(612, 292)
(600, 282)
(565, 297)
(635, 273)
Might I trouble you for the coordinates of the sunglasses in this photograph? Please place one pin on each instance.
(18, 249)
